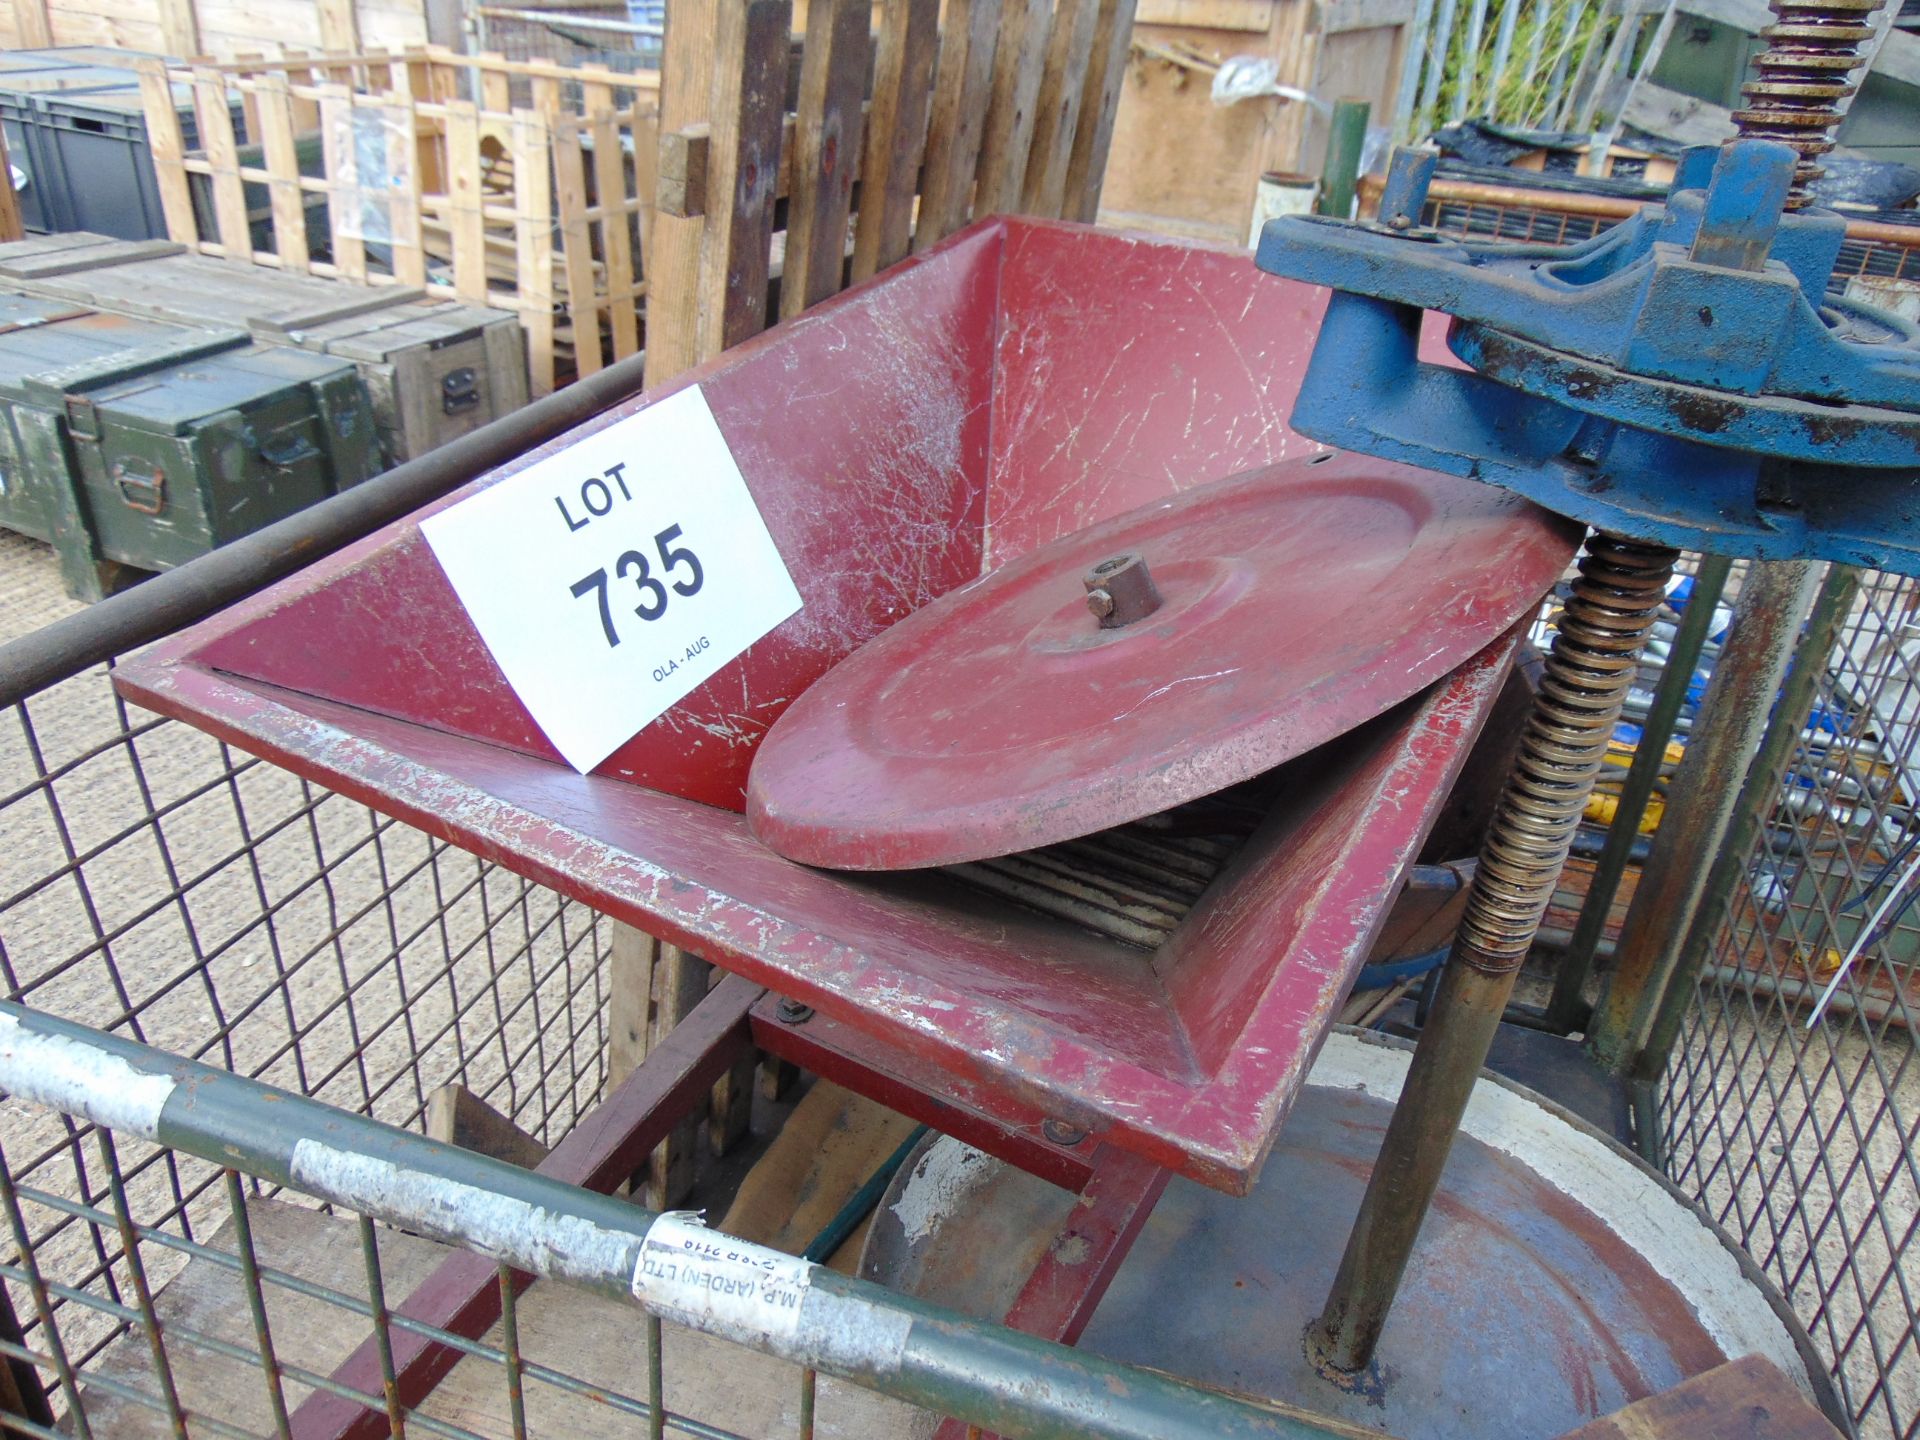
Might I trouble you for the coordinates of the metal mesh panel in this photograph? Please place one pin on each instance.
(214, 1355)
(1801, 1141)
(1539, 222)
(158, 884)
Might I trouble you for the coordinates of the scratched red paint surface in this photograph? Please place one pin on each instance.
(865, 431)
(1296, 602)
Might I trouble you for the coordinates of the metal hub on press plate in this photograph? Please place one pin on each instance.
(1283, 608)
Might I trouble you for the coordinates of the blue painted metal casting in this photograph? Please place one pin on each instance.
(1682, 378)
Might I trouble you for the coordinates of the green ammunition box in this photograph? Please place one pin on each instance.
(434, 369)
(134, 444)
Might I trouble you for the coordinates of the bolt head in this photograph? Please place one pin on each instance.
(1061, 1133)
(792, 1012)
(1100, 603)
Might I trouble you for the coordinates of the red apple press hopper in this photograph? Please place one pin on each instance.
(1069, 885)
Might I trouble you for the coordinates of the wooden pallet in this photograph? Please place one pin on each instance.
(433, 173)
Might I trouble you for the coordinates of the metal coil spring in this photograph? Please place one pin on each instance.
(1588, 672)
(1802, 78)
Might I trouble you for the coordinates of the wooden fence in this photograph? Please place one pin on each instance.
(1006, 106)
(519, 184)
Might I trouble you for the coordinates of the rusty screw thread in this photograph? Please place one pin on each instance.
(1802, 78)
(1601, 633)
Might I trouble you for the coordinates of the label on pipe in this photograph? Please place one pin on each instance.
(614, 578)
(709, 1279)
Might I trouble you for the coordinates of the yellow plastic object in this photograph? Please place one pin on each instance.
(1603, 805)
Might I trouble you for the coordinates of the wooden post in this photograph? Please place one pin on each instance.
(215, 123)
(11, 227)
(1293, 42)
(629, 1001)
(180, 28)
(673, 267)
(339, 26)
(576, 243)
(466, 224)
(169, 151)
(743, 163)
(680, 982)
(826, 146)
(1019, 63)
(959, 118)
(610, 191)
(533, 242)
(343, 185)
(33, 24)
(896, 132)
(1057, 110)
(1093, 131)
(275, 108)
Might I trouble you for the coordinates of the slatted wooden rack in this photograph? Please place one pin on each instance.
(433, 169)
(1006, 106)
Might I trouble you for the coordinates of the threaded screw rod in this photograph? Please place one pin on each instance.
(1802, 80)
(1589, 670)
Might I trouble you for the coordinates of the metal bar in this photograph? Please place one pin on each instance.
(603, 1149)
(42, 1304)
(137, 1274)
(1602, 631)
(656, 1385)
(1059, 1298)
(981, 1117)
(1567, 1008)
(1733, 717)
(1016, 1384)
(1557, 98)
(22, 1396)
(256, 1303)
(510, 1343)
(570, 21)
(1476, 30)
(1438, 45)
(1414, 59)
(1346, 139)
(1750, 811)
(164, 603)
(382, 1330)
(1502, 52)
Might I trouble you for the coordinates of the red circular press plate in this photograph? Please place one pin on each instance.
(1298, 601)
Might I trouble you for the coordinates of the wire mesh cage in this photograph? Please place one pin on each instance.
(229, 999)
(1515, 213)
(1800, 1137)
(158, 885)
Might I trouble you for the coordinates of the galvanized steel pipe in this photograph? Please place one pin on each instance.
(174, 598)
(1014, 1384)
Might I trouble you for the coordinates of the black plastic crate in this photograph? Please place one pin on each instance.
(24, 79)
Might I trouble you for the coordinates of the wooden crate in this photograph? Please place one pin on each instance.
(434, 175)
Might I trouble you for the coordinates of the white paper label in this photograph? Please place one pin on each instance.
(612, 579)
(713, 1279)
